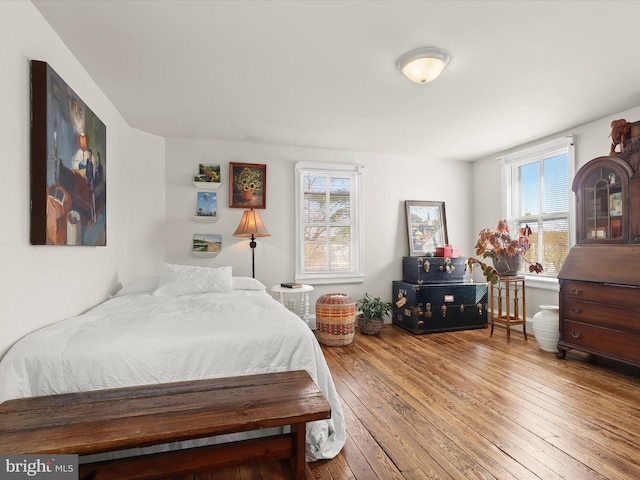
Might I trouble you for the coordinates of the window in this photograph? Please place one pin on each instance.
(537, 192)
(328, 223)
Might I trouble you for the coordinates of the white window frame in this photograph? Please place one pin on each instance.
(356, 273)
(528, 155)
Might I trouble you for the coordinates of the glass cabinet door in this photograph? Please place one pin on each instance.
(602, 205)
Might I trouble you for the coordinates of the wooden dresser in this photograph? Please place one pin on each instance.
(600, 302)
(600, 278)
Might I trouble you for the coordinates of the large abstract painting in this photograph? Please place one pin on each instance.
(68, 164)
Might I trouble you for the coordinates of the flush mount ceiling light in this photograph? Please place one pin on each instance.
(423, 65)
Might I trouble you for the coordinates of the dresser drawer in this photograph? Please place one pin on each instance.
(612, 343)
(622, 295)
(608, 316)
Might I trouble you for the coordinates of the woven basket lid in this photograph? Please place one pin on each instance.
(334, 299)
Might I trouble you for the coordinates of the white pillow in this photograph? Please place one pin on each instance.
(140, 285)
(188, 279)
(247, 283)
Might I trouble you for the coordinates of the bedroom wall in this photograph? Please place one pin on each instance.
(42, 284)
(149, 181)
(388, 182)
(591, 141)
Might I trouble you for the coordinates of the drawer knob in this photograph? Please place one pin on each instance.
(576, 291)
(575, 334)
(576, 310)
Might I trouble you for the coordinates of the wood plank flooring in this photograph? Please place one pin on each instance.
(463, 405)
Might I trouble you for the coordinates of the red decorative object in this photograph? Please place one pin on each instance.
(448, 251)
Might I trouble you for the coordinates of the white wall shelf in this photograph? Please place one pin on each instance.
(207, 185)
(205, 254)
(205, 219)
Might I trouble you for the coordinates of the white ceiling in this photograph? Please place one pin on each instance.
(322, 73)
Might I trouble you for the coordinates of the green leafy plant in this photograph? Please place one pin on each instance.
(373, 308)
(498, 245)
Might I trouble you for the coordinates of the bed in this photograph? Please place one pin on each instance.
(189, 323)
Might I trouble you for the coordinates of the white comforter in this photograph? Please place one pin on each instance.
(140, 339)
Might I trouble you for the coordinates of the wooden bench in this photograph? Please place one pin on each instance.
(115, 419)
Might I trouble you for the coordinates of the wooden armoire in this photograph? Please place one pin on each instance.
(600, 279)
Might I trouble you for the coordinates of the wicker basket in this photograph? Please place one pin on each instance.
(370, 327)
(335, 319)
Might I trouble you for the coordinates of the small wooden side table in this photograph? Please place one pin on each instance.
(508, 304)
(304, 298)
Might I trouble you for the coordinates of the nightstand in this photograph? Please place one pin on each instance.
(303, 291)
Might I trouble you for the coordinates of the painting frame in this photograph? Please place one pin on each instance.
(207, 204)
(206, 244)
(68, 165)
(208, 173)
(615, 204)
(426, 227)
(247, 185)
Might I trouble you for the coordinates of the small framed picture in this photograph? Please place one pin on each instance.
(247, 185)
(206, 244)
(426, 226)
(207, 204)
(208, 173)
(615, 204)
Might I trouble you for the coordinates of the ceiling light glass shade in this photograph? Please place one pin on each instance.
(423, 65)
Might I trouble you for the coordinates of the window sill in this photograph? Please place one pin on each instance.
(542, 283)
(329, 280)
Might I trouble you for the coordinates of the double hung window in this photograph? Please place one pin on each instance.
(537, 184)
(328, 223)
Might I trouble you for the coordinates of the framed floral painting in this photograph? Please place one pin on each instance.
(247, 185)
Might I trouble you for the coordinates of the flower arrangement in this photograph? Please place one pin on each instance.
(249, 179)
(500, 247)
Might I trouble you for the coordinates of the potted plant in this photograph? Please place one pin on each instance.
(507, 254)
(372, 313)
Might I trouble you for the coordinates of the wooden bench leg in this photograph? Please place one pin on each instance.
(298, 461)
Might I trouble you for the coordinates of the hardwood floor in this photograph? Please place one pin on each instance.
(463, 405)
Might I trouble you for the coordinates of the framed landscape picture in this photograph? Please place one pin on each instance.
(207, 204)
(208, 173)
(426, 226)
(206, 244)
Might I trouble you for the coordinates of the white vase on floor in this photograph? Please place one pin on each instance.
(546, 327)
